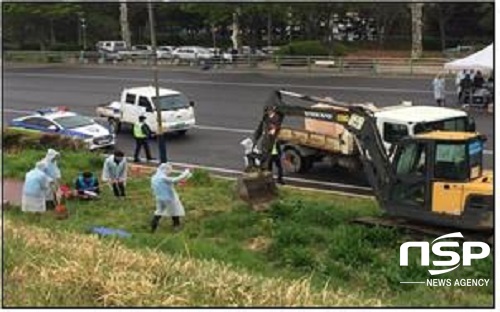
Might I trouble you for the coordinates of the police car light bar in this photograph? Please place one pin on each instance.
(50, 110)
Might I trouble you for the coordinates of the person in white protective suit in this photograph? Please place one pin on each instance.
(36, 185)
(439, 87)
(251, 153)
(53, 171)
(168, 203)
(114, 172)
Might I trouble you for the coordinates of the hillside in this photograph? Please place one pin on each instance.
(302, 251)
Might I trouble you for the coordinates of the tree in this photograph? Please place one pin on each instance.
(416, 27)
(386, 15)
(39, 19)
(213, 16)
(124, 24)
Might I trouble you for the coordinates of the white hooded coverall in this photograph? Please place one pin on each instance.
(36, 185)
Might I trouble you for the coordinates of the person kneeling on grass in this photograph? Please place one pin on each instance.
(36, 186)
(87, 186)
(168, 203)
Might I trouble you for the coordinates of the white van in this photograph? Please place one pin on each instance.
(177, 112)
(111, 46)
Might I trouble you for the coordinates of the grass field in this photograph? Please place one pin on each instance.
(303, 247)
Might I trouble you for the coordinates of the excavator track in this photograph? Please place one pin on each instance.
(420, 230)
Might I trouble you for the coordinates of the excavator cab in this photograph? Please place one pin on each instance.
(439, 178)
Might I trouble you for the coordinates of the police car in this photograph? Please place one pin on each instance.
(59, 120)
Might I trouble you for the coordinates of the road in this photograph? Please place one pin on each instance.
(228, 106)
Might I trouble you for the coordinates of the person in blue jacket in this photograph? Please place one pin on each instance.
(87, 185)
(168, 203)
(36, 184)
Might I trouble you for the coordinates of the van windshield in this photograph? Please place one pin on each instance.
(455, 124)
(172, 102)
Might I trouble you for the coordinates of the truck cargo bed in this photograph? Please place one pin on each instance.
(338, 145)
(105, 110)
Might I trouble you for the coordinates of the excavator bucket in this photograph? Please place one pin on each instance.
(257, 188)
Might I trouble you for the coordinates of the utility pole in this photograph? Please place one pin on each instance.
(162, 148)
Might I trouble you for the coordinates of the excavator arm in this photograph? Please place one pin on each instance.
(357, 119)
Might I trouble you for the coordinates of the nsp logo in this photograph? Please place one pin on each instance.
(467, 253)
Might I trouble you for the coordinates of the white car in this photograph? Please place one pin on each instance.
(192, 54)
(164, 52)
(59, 120)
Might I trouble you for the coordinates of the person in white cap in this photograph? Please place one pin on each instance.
(36, 185)
(114, 172)
(168, 203)
(53, 171)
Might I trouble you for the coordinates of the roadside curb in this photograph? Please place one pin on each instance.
(148, 167)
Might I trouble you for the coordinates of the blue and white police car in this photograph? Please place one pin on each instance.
(59, 120)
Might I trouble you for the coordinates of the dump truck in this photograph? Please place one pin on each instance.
(326, 141)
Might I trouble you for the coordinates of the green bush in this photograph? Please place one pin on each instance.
(18, 139)
(312, 48)
(200, 178)
(348, 245)
(299, 257)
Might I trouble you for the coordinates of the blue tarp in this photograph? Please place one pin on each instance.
(104, 231)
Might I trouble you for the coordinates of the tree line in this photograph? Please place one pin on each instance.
(68, 26)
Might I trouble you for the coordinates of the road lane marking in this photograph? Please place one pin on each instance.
(226, 83)
(223, 129)
(201, 127)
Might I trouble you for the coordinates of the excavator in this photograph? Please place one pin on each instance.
(431, 182)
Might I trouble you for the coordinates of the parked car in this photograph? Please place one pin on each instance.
(111, 49)
(164, 52)
(192, 54)
(137, 51)
(111, 46)
(60, 121)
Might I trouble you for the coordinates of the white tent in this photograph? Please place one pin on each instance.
(481, 60)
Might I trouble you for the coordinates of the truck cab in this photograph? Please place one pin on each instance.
(397, 122)
(177, 112)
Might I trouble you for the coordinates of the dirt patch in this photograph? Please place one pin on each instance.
(259, 243)
(139, 171)
(12, 191)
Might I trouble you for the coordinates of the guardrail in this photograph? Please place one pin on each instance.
(310, 64)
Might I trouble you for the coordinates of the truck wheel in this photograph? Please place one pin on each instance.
(294, 162)
(114, 125)
(181, 132)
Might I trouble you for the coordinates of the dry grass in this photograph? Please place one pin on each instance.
(49, 268)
